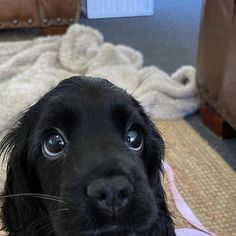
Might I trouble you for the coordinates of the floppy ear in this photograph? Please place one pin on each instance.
(17, 211)
(154, 152)
(155, 155)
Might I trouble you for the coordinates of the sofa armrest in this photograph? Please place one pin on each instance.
(38, 13)
(58, 12)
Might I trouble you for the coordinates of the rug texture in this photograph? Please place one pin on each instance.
(29, 69)
(204, 179)
(206, 182)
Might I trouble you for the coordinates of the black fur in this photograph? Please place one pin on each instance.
(94, 115)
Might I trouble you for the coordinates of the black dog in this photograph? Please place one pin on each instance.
(84, 160)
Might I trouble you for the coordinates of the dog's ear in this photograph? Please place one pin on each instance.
(154, 152)
(17, 210)
(153, 156)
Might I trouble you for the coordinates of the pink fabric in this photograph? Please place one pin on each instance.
(184, 209)
(190, 232)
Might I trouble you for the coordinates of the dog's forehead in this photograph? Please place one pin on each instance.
(93, 103)
(90, 90)
(91, 95)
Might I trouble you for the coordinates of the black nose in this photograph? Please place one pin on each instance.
(111, 194)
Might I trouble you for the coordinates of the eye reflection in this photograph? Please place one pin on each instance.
(134, 138)
(54, 144)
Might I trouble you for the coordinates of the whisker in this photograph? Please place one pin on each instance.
(43, 196)
(154, 103)
(144, 79)
(42, 219)
(44, 227)
(50, 232)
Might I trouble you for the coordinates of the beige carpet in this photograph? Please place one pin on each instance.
(206, 181)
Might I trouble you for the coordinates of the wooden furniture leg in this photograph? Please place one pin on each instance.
(216, 123)
(54, 30)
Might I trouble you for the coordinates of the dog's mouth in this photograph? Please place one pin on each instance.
(114, 229)
(107, 230)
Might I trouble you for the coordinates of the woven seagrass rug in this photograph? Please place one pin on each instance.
(204, 179)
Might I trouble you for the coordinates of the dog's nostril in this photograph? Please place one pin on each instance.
(101, 196)
(125, 193)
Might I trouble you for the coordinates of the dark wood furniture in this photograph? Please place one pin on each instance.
(216, 66)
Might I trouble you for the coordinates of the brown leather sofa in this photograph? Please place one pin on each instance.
(51, 15)
(216, 67)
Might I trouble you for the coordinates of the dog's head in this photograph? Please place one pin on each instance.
(84, 160)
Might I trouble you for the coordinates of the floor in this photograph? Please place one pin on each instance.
(168, 39)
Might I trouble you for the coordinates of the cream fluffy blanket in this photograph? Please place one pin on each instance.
(29, 69)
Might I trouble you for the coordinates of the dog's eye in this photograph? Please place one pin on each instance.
(54, 145)
(134, 138)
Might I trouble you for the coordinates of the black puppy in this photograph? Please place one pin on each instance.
(84, 160)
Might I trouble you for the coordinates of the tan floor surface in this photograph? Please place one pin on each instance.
(204, 179)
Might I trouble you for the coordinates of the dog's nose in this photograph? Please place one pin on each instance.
(111, 194)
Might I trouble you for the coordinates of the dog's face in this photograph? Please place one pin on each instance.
(85, 160)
